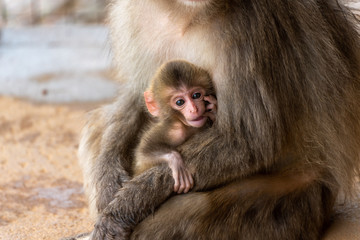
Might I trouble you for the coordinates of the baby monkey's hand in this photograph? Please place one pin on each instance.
(211, 107)
(182, 176)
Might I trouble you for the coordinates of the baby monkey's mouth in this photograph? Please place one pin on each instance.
(197, 119)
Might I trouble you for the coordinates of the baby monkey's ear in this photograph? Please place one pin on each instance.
(151, 104)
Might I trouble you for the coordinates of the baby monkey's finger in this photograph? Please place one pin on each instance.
(187, 181)
(211, 107)
(191, 179)
(176, 179)
(182, 183)
(211, 99)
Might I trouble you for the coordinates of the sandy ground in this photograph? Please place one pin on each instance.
(41, 195)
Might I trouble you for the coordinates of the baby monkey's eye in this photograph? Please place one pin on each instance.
(180, 102)
(196, 95)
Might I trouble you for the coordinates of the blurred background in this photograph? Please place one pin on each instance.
(55, 50)
(31, 12)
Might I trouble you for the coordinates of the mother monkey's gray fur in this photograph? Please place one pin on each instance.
(286, 139)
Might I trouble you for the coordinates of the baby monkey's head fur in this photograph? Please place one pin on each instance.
(174, 75)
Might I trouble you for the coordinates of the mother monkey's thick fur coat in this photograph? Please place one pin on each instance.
(287, 137)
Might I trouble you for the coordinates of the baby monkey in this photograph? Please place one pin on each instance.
(181, 99)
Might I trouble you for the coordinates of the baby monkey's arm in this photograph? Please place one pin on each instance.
(211, 107)
(182, 176)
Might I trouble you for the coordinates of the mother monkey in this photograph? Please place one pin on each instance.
(286, 139)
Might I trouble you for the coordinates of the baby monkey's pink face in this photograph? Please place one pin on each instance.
(190, 102)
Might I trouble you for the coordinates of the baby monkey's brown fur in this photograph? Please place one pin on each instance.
(170, 128)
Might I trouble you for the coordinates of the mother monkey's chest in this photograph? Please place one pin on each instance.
(162, 37)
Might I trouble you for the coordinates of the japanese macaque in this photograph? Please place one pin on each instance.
(285, 143)
(176, 98)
